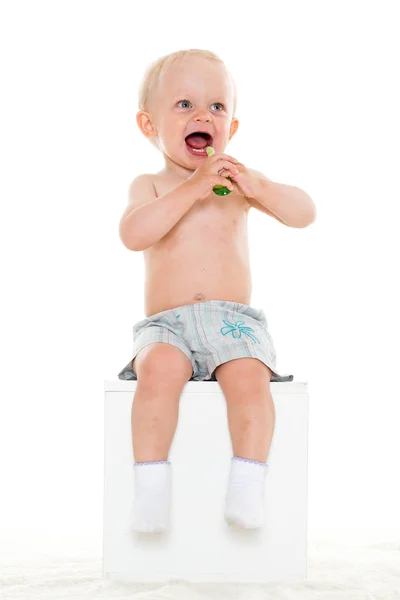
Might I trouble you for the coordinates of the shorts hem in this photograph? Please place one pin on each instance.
(213, 362)
(127, 372)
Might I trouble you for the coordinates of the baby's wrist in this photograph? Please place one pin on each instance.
(192, 190)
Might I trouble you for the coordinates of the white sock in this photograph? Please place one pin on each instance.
(151, 507)
(245, 497)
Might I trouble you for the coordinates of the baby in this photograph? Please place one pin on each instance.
(199, 324)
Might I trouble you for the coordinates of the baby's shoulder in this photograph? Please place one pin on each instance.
(164, 182)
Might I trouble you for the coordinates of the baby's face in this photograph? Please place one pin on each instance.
(193, 94)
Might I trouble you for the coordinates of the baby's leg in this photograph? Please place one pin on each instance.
(245, 383)
(162, 371)
(251, 418)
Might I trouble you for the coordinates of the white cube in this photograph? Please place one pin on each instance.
(200, 546)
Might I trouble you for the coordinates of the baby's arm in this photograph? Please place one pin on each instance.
(147, 218)
(286, 203)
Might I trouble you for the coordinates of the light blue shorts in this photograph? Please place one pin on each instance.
(210, 334)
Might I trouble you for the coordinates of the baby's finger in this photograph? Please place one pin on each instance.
(224, 157)
(210, 151)
(228, 157)
(226, 172)
(229, 167)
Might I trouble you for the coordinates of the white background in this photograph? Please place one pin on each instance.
(318, 108)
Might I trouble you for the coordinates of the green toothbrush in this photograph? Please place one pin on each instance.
(220, 190)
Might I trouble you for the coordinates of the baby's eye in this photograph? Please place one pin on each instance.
(187, 102)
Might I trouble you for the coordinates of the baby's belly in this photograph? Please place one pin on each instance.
(194, 273)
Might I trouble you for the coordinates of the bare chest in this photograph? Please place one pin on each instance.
(216, 221)
(204, 256)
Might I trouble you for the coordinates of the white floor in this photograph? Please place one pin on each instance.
(342, 565)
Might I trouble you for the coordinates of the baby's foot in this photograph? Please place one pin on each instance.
(151, 507)
(245, 498)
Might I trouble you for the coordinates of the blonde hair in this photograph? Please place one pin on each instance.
(153, 72)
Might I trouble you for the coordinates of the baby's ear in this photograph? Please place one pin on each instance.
(145, 125)
(234, 127)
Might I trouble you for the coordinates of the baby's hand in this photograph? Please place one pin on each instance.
(248, 183)
(207, 175)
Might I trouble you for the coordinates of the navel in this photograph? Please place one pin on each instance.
(199, 297)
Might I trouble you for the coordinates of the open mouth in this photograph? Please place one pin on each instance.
(197, 142)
